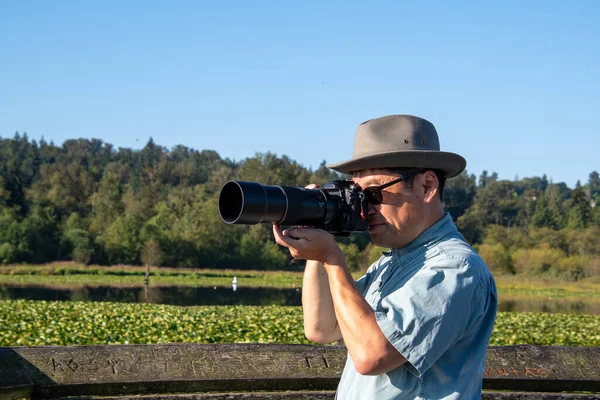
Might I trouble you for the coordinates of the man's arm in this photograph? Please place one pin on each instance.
(370, 350)
(320, 323)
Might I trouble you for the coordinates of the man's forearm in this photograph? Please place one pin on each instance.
(320, 324)
(370, 350)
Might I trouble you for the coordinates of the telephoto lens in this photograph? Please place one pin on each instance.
(338, 207)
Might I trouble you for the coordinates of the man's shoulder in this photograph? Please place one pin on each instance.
(454, 251)
(453, 245)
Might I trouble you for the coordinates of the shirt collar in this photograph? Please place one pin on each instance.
(430, 235)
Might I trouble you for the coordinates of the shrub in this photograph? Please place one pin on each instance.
(497, 257)
(550, 238)
(584, 241)
(572, 268)
(352, 255)
(507, 237)
(536, 261)
(372, 254)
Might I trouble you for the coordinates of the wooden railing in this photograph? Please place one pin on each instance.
(263, 371)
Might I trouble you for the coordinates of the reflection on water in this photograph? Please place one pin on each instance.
(174, 295)
(190, 296)
(548, 305)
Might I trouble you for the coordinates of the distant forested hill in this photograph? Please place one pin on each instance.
(92, 203)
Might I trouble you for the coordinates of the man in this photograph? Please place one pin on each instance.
(417, 325)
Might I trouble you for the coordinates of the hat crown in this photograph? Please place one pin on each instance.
(395, 133)
(400, 141)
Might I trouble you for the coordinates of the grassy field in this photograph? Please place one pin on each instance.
(71, 274)
(24, 322)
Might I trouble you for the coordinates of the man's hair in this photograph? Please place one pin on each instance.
(409, 183)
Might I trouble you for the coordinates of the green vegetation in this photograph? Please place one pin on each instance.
(69, 323)
(57, 274)
(69, 274)
(88, 202)
(546, 329)
(554, 288)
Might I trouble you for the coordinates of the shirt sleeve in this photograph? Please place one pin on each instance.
(363, 282)
(430, 312)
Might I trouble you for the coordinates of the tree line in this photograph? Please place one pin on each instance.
(89, 202)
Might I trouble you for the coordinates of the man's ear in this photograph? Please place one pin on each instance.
(429, 185)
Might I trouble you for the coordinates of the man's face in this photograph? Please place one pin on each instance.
(399, 219)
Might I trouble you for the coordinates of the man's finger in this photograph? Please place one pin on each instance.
(299, 233)
(284, 238)
(279, 235)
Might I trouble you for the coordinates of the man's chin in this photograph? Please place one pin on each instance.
(377, 239)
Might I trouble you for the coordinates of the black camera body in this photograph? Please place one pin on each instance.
(338, 207)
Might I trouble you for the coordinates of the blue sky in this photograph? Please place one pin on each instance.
(512, 86)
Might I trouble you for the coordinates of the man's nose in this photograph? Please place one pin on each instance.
(373, 208)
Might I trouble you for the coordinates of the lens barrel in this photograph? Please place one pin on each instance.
(243, 202)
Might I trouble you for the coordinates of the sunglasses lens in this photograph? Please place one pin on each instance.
(373, 195)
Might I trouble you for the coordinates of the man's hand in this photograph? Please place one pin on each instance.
(308, 244)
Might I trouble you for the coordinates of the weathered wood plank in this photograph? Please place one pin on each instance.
(14, 381)
(329, 395)
(123, 370)
(129, 369)
(543, 368)
(538, 396)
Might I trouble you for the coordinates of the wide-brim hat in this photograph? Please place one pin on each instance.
(400, 141)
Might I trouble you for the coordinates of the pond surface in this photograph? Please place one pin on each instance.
(559, 305)
(191, 296)
(173, 295)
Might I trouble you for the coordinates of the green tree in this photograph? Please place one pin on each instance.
(82, 247)
(4, 194)
(268, 169)
(459, 194)
(542, 215)
(122, 240)
(42, 227)
(106, 203)
(77, 243)
(14, 243)
(151, 253)
(19, 164)
(594, 184)
(580, 210)
(472, 225)
(322, 175)
(596, 212)
(67, 187)
(556, 200)
(258, 249)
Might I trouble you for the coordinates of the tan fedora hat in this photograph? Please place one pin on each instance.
(399, 141)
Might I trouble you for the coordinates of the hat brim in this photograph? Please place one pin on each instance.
(450, 163)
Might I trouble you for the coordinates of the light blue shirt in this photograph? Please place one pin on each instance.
(435, 300)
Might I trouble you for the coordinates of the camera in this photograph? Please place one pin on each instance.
(338, 206)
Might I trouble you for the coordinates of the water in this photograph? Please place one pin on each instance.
(190, 296)
(173, 295)
(549, 305)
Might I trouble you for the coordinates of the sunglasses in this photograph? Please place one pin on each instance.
(373, 194)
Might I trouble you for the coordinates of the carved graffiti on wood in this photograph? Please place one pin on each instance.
(526, 371)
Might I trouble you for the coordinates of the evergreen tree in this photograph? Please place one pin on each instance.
(542, 216)
(594, 185)
(580, 210)
(556, 207)
(459, 194)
